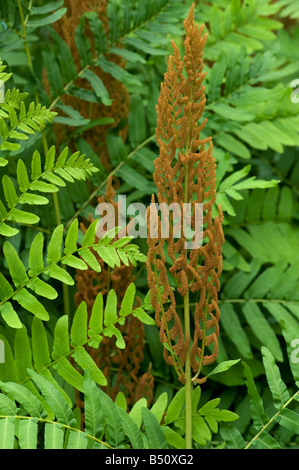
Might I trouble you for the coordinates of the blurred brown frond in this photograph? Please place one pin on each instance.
(119, 109)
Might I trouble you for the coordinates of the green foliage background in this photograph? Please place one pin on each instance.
(251, 58)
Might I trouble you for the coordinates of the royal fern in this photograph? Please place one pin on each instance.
(100, 66)
(30, 277)
(107, 424)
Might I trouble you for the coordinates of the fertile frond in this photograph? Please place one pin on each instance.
(185, 173)
(43, 180)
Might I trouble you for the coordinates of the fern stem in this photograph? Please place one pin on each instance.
(27, 50)
(97, 190)
(29, 12)
(69, 85)
(38, 229)
(187, 330)
(66, 426)
(188, 386)
(294, 397)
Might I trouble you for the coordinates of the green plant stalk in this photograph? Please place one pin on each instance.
(97, 190)
(187, 331)
(63, 425)
(188, 385)
(295, 396)
(24, 35)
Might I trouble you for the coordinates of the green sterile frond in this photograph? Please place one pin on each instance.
(18, 123)
(34, 189)
(21, 281)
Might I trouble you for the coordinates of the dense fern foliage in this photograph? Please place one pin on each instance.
(81, 361)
